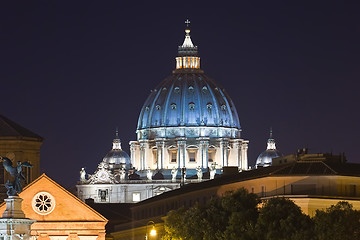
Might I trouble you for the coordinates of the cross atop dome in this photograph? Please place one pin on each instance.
(187, 22)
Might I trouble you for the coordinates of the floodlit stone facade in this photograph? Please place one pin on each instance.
(59, 215)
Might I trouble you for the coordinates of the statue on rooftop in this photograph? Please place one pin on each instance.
(14, 187)
(173, 174)
(122, 174)
(199, 173)
(82, 175)
(149, 174)
(212, 170)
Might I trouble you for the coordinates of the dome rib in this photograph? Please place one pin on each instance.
(167, 104)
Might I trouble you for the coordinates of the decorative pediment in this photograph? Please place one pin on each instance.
(102, 175)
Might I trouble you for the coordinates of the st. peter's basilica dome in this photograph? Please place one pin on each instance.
(188, 98)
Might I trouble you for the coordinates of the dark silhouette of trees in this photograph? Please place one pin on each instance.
(339, 221)
(240, 216)
(281, 218)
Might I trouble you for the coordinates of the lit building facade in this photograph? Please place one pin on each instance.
(59, 215)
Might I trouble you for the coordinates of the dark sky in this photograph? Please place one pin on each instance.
(72, 71)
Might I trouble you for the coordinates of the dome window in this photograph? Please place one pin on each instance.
(204, 89)
(191, 89)
(173, 106)
(164, 89)
(223, 107)
(147, 108)
(177, 89)
(158, 107)
(209, 106)
(191, 106)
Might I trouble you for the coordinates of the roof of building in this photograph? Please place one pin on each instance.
(116, 213)
(299, 168)
(9, 128)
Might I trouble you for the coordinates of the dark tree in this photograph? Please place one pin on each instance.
(339, 221)
(230, 217)
(243, 210)
(281, 218)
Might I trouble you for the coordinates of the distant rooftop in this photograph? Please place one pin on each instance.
(9, 128)
(297, 168)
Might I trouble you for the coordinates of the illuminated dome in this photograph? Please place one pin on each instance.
(188, 98)
(265, 158)
(116, 158)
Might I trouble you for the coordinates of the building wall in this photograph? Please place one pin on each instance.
(147, 153)
(131, 192)
(20, 149)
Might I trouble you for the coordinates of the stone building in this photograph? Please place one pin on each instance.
(315, 181)
(18, 144)
(59, 215)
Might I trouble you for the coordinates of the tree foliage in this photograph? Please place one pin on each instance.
(231, 217)
(339, 221)
(237, 216)
(281, 218)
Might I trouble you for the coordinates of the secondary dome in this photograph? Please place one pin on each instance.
(265, 158)
(116, 158)
(188, 98)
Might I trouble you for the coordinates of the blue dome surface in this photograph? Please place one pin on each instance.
(118, 157)
(188, 98)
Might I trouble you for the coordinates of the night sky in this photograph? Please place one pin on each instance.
(73, 71)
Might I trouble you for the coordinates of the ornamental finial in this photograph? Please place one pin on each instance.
(187, 22)
(271, 134)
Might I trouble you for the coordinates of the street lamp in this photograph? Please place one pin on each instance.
(152, 232)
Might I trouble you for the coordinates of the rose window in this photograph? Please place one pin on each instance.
(43, 203)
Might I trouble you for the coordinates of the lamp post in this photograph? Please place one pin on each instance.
(152, 232)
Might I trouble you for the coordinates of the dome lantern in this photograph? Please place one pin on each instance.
(116, 141)
(188, 55)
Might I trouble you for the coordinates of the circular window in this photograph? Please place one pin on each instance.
(43, 203)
